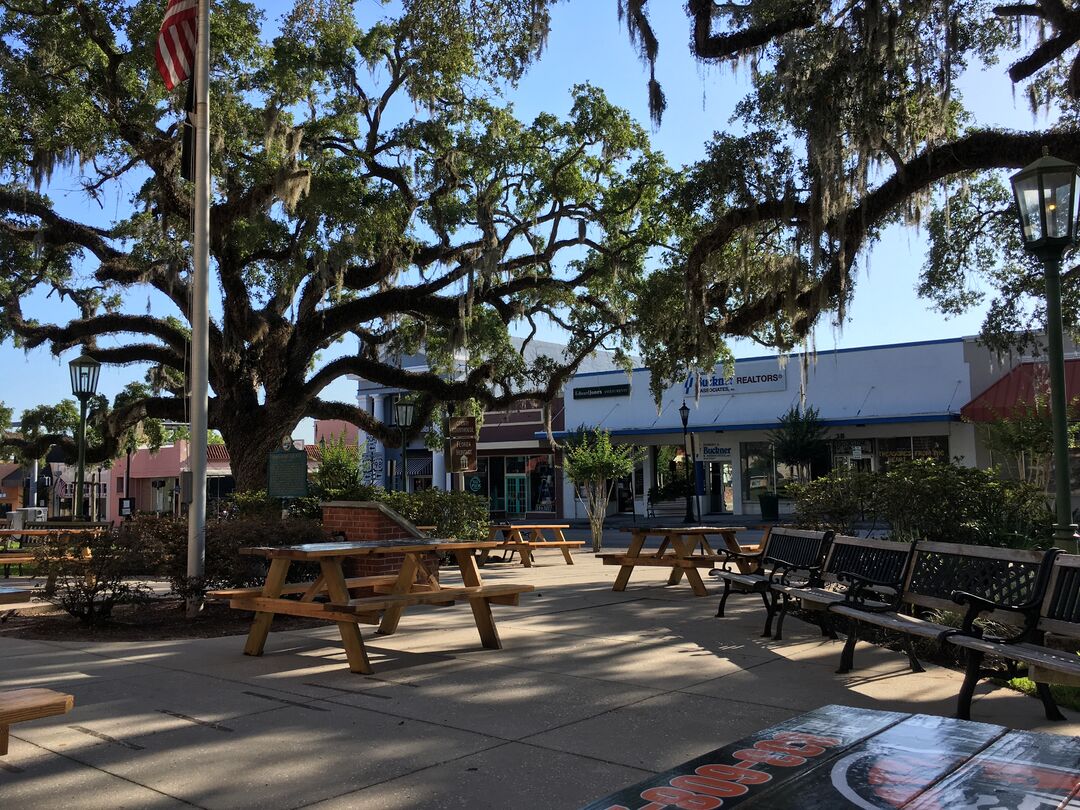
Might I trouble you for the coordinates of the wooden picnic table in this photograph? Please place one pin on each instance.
(528, 538)
(394, 592)
(683, 541)
(841, 756)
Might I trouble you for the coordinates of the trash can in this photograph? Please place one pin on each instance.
(770, 506)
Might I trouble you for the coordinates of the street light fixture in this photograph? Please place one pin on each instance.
(684, 414)
(1048, 204)
(84, 379)
(404, 411)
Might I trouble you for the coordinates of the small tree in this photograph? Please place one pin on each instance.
(594, 464)
(1022, 442)
(799, 440)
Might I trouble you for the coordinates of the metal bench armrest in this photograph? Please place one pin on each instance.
(977, 604)
(860, 588)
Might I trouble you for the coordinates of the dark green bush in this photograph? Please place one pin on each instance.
(453, 514)
(931, 500)
(95, 575)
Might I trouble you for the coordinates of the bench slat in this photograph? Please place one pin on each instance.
(309, 610)
(444, 596)
(1057, 660)
(301, 587)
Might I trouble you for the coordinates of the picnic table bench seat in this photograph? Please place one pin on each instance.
(1051, 615)
(20, 705)
(525, 538)
(499, 594)
(785, 552)
(936, 571)
(665, 560)
(314, 587)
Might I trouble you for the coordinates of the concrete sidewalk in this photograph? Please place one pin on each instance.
(592, 691)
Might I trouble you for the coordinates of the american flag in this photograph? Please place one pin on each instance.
(175, 52)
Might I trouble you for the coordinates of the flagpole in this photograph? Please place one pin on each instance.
(200, 313)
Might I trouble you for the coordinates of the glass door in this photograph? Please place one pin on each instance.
(515, 494)
(721, 489)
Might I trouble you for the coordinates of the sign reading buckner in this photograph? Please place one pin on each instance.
(706, 383)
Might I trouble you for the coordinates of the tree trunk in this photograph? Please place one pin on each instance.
(250, 439)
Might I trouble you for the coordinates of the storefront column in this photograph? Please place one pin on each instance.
(439, 479)
(377, 457)
(649, 473)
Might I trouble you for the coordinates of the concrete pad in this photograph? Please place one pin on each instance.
(660, 732)
(500, 701)
(510, 775)
(288, 757)
(33, 777)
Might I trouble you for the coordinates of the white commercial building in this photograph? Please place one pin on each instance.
(879, 403)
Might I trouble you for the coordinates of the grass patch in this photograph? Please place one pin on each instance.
(1067, 697)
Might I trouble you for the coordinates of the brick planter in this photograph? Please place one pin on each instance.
(369, 520)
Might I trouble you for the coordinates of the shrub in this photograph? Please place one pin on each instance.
(94, 576)
(837, 501)
(461, 515)
(931, 500)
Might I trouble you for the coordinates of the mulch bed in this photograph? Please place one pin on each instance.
(161, 620)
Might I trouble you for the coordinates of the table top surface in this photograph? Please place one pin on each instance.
(356, 548)
(647, 530)
(840, 756)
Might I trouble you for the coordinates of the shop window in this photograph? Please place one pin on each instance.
(541, 484)
(761, 472)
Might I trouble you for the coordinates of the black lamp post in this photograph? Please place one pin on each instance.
(84, 379)
(1047, 195)
(684, 414)
(404, 411)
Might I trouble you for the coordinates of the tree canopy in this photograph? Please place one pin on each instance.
(855, 123)
(368, 189)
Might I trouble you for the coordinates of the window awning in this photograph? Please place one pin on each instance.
(420, 466)
(1016, 391)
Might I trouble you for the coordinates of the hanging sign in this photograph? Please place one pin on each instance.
(602, 391)
(286, 473)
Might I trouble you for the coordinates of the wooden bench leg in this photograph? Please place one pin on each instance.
(350, 632)
(260, 627)
(4, 740)
(406, 577)
(485, 623)
(526, 556)
(694, 578)
(675, 577)
(636, 544)
(567, 556)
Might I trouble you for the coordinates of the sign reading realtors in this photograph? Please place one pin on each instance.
(741, 382)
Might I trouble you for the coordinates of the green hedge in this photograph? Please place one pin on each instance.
(931, 500)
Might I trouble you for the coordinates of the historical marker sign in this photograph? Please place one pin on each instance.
(286, 473)
(462, 427)
(463, 455)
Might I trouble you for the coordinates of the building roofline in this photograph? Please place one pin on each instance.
(796, 355)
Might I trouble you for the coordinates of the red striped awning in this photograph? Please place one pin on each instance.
(1016, 391)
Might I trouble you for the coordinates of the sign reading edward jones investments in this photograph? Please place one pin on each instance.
(706, 383)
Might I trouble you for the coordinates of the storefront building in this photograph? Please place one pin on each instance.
(879, 404)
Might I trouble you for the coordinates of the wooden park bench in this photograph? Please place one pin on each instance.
(20, 705)
(1053, 620)
(785, 553)
(308, 590)
(1000, 576)
(880, 564)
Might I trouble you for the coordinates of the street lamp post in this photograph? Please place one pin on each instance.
(84, 379)
(404, 411)
(1048, 202)
(684, 414)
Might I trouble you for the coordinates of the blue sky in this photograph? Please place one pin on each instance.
(588, 43)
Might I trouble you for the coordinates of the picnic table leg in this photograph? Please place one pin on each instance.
(3, 740)
(676, 573)
(684, 549)
(481, 607)
(566, 555)
(406, 577)
(260, 626)
(338, 590)
(482, 559)
(636, 542)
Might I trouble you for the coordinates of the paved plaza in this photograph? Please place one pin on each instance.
(593, 691)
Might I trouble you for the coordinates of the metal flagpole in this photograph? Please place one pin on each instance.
(200, 314)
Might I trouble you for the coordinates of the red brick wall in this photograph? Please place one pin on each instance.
(363, 521)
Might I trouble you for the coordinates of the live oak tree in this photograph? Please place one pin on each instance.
(368, 191)
(855, 123)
